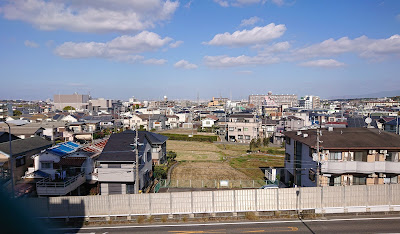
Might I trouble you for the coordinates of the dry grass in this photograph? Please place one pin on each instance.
(250, 164)
(204, 151)
(186, 132)
(194, 151)
(207, 171)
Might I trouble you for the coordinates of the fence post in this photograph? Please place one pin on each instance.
(300, 209)
(253, 183)
(109, 207)
(322, 198)
(344, 199)
(213, 200)
(367, 195)
(150, 203)
(191, 202)
(390, 196)
(234, 200)
(277, 199)
(255, 199)
(170, 202)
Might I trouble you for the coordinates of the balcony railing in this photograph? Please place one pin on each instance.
(335, 167)
(46, 187)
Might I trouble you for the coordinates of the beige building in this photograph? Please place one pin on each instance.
(77, 101)
(243, 127)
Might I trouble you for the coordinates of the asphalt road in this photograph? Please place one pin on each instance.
(332, 225)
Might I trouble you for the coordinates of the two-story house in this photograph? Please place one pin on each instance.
(350, 156)
(243, 127)
(116, 165)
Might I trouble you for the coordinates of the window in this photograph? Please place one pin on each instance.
(311, 175)
(288, 140)
(231, 128)
(391, 157)
(335, 156)
(239, 129)
(114, 165)
(360, 156)
(247, 137)
(47, 165)
(20, 161)
(359, 180)
(148, 157)
(335, 181)
(246, 129)
(130, 188)
(240, 137)
(208, 122)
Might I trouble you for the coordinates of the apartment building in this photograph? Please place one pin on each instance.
(243, 127)
(350, 156)
(270, 99)
(77, 101)
(310, 102)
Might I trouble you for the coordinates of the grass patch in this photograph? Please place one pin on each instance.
(250, 164)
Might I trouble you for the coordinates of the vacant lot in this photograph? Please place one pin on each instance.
(207, 171)
(194, 151)
(208, 161)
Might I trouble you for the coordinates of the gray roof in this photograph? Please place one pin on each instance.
(119, 146)
(349, 138)
(22, 146)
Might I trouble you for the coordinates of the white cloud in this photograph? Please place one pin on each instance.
(239, 3)
(185, 65)
(326, 63)
(242, 60)
(363, 46)
(176, 44)
(155, 61)
(90, 15)
(274, 48)
(121, 47)
(245, 72)
(31, 44)
(257, 35)
(250, 21)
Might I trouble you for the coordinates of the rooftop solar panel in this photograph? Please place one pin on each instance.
(75, 145)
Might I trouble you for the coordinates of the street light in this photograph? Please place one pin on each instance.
(11, 160)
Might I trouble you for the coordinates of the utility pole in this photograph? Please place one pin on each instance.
(318, 159)
(137, 162)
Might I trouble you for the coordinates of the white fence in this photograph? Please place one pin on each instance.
(361, 198)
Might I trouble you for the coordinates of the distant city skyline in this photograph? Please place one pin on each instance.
(190, 48)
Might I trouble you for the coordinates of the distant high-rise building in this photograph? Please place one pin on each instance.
(77, 101)
(310, 102)
(273, 100)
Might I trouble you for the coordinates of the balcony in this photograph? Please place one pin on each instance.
(46, 187)
(335, 167)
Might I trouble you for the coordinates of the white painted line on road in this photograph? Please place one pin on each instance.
(233, 223)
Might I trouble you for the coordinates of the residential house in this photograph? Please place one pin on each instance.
(350, 156)
(5, 137)
(62, 169)
(116, 164)
(22, 150)
(209, 121)
(23, 131)
(243, 127)
(172, 121)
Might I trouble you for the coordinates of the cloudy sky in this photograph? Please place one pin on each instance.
(186, 48)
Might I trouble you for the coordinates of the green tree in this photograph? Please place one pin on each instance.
(160, 172)
(17, 113)
(67, 108)
(171, 156)
(258, 143)
(253, 144)
(266, 141)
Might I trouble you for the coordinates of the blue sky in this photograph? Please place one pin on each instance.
(231, 48)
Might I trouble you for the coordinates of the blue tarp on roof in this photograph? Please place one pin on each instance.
(65, 148)
(69, 143)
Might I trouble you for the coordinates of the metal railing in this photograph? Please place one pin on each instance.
(46, 182)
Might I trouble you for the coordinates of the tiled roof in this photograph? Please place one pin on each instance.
(21, 146)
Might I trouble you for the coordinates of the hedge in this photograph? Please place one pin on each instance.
(182, 137)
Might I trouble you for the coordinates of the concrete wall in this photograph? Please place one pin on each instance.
(340, 199)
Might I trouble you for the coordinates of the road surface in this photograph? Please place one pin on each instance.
(349, 224)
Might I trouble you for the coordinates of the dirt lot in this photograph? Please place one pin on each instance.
(207, 171)
(209, 161)
(203, 151)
